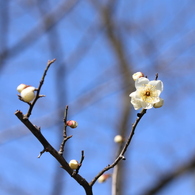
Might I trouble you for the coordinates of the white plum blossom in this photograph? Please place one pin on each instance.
(147, 94)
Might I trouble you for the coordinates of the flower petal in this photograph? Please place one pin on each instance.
(140, 82)
(136, 103)
(146, 105)
(158, 84)
(133, 94)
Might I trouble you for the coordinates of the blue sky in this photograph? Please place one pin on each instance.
(158, 36)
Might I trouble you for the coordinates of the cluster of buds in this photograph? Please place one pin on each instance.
(26, 92)
(72, 123)
(74, 164)
(103, 178)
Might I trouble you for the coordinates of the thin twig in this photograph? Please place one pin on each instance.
(121, 155)
(81, 161)
(40, 154)
(39, 88)
(156, 77)
(65, 137)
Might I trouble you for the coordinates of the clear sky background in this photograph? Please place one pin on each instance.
(156, 37)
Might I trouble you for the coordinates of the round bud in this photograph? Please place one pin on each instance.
(103, 178)
(137, 75)
(72, 123)
(73, 164)
(21, 87)
(118, 139)
(159, 104)
(27, 94)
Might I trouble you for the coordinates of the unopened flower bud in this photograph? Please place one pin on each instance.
(21, 87)
(71, 123)
(27, 94)
(118, 139)
(73, 164)
(103, 178)
(137, 75)
(159, 104)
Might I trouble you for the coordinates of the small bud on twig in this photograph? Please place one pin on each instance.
(137, 75)
(103, 178)
(73, 164)
(72, 123)
(21, 87)
(118, 139)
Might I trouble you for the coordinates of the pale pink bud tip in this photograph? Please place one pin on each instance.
(137, 75)
(73, 164)
(72, 123)
(118, 139)
(103, 178)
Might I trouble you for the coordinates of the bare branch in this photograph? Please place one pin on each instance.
(64, 133)
(81, 161)
(48, 148)
(121, 155)
(39, 88)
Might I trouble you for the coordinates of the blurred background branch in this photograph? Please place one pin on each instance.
(98, 45)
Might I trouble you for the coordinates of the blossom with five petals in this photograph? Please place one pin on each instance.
(147, 93)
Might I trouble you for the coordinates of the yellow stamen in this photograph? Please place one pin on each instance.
(148, 93)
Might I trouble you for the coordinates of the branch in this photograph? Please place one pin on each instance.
(48, 148)
(39, 88)
(81, 161)
(124, 149)
(169, 177)
(64, 132)
(54, 16)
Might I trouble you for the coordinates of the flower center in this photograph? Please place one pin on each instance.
(148, 93)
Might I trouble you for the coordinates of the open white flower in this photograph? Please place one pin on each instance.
(147, 93)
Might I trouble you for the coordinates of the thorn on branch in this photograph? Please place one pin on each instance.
(38, 128)
(122, 157)
(41, 96)
(40, 154)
